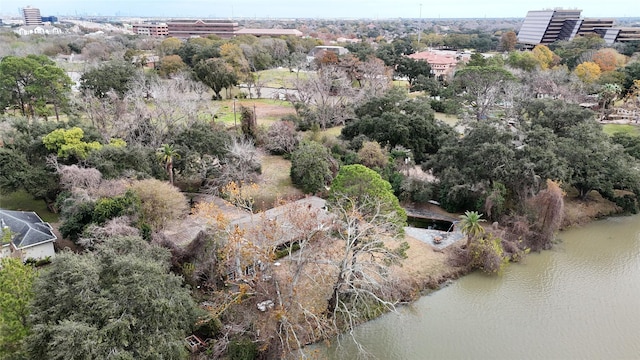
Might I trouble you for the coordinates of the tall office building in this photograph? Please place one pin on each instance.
(548, 26)
(31, 16)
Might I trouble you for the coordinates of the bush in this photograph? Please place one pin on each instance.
(486, 253)
(282, 138)
(416, 190)
(208, 329)
(242, 349)
(311, 167)
(76, 218)
(160, 202)
(628, 203)
(109, 208)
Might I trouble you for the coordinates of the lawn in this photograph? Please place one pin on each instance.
(450, 120)
(280, 78)
(275, 183)
(20, 200)
(611, 129)
(267, 110)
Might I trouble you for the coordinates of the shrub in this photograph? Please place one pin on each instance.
(242, 349)
(311, 167)
(109, 208)
(160, 202)
(416, 190)
(372, 155)
(486, 253)
(282, 138)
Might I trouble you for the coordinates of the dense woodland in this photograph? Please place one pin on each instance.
(121, 157)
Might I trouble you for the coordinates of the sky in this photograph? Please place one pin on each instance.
(375, 9)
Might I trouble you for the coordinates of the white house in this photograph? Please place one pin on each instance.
(30, 237)
(38, 30)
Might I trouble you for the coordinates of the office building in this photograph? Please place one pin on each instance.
(548, 26)
(31, 16)
(202, 28)
(151, 29)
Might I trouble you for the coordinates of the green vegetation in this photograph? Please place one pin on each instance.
(21, 200)
(145, 312)
(16, 293)
(611, 129)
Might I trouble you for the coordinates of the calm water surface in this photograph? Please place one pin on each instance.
(580, 300)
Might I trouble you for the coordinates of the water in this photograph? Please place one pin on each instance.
(580, 300)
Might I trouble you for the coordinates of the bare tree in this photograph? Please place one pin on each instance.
(376, 78)
(328, 94)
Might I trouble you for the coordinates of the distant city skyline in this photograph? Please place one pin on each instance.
(376, 9)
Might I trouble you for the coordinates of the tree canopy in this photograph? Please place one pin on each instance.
(393, 119)
(119, 301)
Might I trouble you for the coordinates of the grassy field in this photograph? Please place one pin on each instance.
(611, 129)
(280, 78)
(450, 120)
(20, 200)
(267, 110)
(275, 184)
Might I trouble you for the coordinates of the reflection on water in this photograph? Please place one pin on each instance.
(579, 300)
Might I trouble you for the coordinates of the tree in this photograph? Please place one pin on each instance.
(326, 96)
(508, 41)
(171, 64)
(470, 226)
(216, 74)
(365, 227)
(282, 138)
(68, 143)
(311, 165)
(588, 72)
(30, 83)
(549, 208)
(160, 202)
(412, 69)
(249, 123)
(483, 87)
(608, 59)
(16, 292)
(372, 155)
(118, 301)
(607, 96)
(169, 46)
(522, 60)
(546, 58)
(393, 119)
(112, 76)
(365, 187)
(167, 154)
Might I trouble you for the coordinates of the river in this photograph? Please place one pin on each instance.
(580, 300)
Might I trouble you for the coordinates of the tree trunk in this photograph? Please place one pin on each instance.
(170, 172)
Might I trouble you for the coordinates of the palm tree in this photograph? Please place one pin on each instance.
(470, 225)
(167, 153)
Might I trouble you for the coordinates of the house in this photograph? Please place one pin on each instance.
(30, 236)
(442, 65)
(38, 30)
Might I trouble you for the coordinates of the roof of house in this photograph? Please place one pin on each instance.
(27, 228)
(269, 32)
(433, 58)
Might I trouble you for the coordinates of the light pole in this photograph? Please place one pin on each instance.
(235, 125)
(420, 26)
